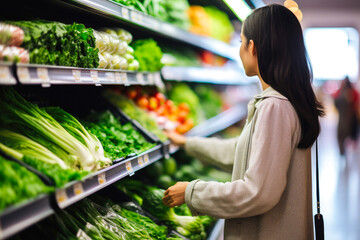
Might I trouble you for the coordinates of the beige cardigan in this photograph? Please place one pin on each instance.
(269, 196)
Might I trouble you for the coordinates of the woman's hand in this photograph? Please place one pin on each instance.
(176, 138)
(175, 195)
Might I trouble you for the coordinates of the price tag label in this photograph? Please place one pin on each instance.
(117, 77)
(23, 73)
(129, 168)
(95, 77)
(77, 75)
(5, 76)
(125, 13)
(139, 18)
(134, 16)
(43, 74)
(151, 78)
(78, 188)
(140, 161)
(101, 178)
(146, 158)
(61, 196)
(140, 78)
(124, 78)
(110, 76)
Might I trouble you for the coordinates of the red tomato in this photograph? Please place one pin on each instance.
(132, 93)
(160, 97)
(160, 111)
(169, 103)
(142, 102)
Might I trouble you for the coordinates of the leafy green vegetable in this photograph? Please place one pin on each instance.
(152, 202)
(134, 112)
(18, 184)
(173, 11)
(155, 231)
(23, 117)
(210, 100)
(148, 54)
(37, 159)
(118, 140)
(59, 44)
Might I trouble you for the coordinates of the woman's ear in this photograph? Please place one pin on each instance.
(252, 47)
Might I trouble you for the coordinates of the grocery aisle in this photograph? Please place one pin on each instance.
(339, 182)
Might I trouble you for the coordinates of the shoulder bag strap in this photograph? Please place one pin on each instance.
(318, 218)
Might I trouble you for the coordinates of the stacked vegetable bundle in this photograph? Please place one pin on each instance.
(18, 184)
(114, 49)
(11, 37)
(60, 44)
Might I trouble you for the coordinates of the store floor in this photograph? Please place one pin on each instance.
(339, 183)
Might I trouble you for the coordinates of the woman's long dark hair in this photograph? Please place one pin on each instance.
(284, 65)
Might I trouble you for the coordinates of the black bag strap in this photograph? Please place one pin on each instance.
(318, 218)
(317, 180)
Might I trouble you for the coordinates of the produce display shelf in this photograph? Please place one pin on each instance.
(19, 217)
(7, 74)
(137, 18)
(16, 218)
(214, 75)
(78, 190)
(220, 122)
(48, 75)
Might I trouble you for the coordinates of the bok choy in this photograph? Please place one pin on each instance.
(66, 137)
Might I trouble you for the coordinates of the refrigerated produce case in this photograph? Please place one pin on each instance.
(55, 81)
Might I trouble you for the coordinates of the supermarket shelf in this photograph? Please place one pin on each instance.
(220, 122)
(76, 191)
(214, 75)
(17, 218)
(48, 75)
(7, 74)
(134, 17)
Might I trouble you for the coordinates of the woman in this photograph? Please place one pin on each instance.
(270, 193)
